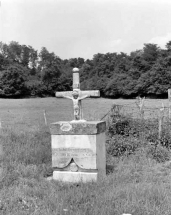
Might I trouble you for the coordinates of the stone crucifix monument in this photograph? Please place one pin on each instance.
(78, 146)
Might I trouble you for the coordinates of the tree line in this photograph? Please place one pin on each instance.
(25, 72)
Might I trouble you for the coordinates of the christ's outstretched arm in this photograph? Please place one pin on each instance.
(84, 97)
(68, 97)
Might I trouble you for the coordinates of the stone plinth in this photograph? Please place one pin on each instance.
(78, 151)
(1, 158)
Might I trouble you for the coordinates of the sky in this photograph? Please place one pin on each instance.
(82, 28)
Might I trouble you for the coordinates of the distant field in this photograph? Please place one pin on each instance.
(29, 113)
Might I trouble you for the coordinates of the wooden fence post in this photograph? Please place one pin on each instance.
(161, 115)
(169, 97)
(140, 105)
(45, 117)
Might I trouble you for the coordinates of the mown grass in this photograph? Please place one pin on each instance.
(135, 183)
(28, 114)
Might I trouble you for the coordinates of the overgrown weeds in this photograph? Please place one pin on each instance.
(137, 181)
(126, 135)
(137, 185)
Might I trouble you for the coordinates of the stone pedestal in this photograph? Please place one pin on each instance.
(78, 151)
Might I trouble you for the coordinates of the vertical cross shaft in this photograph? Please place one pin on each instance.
(76, 87)
(76, 79)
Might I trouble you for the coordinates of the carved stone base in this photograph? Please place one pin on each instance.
(74, 177)
(78, 151)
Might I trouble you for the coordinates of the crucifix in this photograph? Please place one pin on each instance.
(77, 95)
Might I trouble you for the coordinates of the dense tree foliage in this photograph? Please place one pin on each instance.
(26, 72)
(12, 81)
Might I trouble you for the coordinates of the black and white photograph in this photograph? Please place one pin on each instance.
(85, 107)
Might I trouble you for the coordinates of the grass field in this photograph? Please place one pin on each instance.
(29, 113)
(135, 184)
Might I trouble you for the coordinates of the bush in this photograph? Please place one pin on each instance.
(127, 135)
(124, 125)
(118, 145)
(158, 153)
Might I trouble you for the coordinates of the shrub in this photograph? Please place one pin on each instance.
(125, 125)
(127, 135)
(158, 153)
(118, 145)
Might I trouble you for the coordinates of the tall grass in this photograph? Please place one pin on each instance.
(137, 182)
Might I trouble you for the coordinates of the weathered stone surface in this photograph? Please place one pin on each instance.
(76, 79)
(90, 93)
(1, 151)
(77, 95)
(78, 151)
(80, 148)
(101, 154)
(1, 157)
(75, 177)
(78, 128)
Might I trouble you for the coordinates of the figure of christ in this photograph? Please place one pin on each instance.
(76, 103)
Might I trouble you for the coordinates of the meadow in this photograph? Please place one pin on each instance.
(136, 183)
(29, 113)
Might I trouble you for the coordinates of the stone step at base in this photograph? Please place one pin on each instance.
(74, 177)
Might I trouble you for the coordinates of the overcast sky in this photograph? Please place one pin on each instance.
(82, 28)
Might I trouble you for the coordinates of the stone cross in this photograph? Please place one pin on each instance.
(77, 95)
